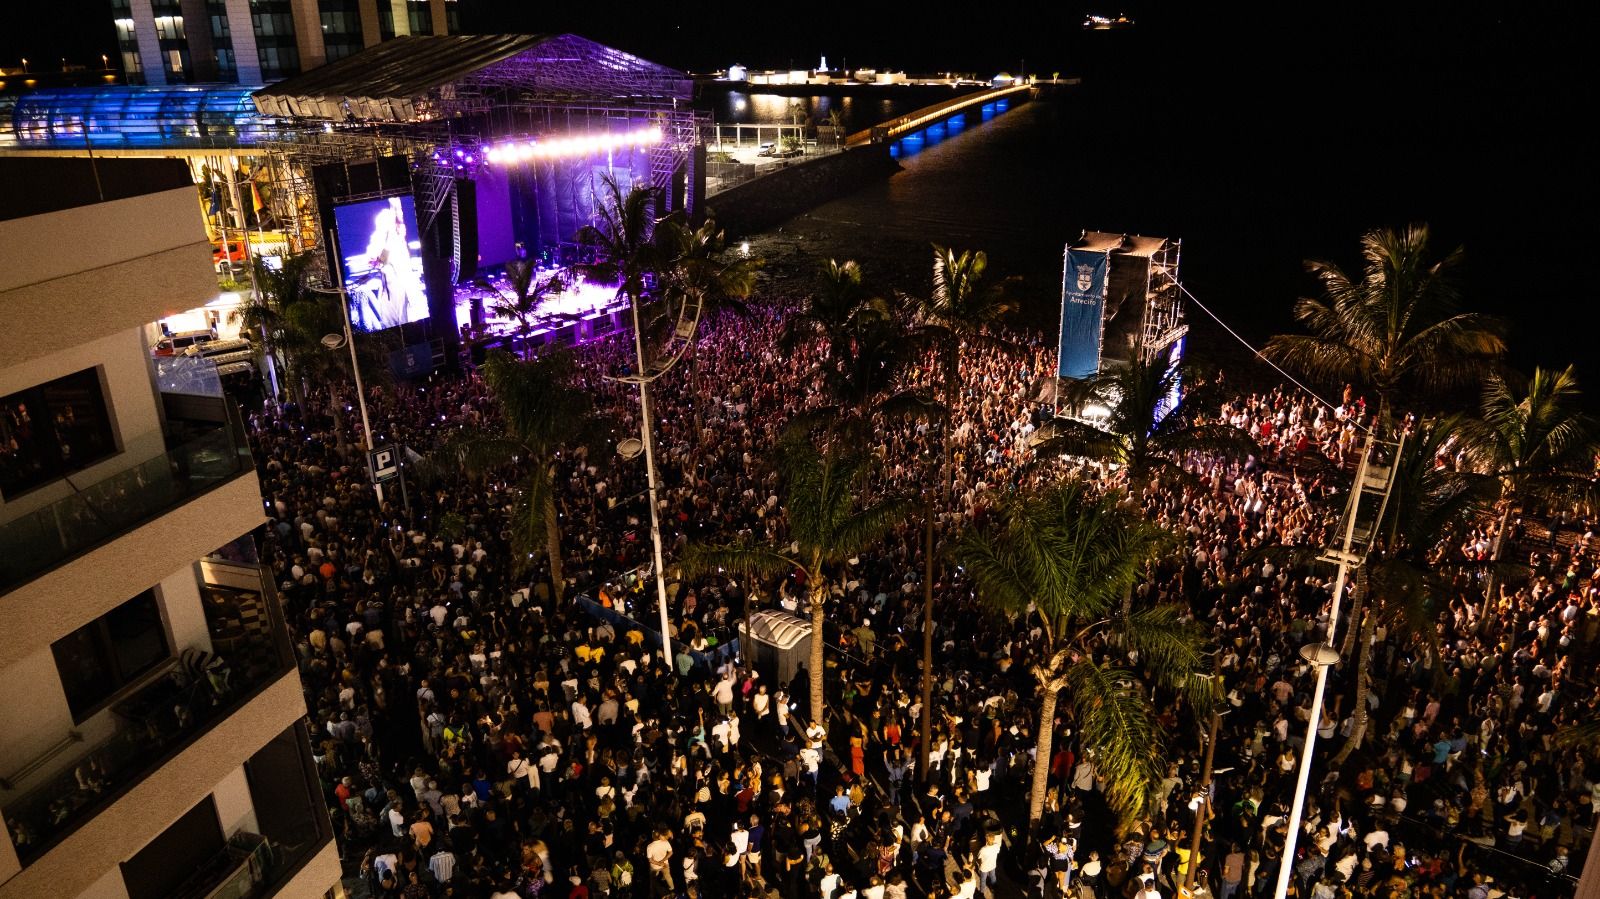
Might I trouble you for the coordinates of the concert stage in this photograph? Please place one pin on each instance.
(581, 312)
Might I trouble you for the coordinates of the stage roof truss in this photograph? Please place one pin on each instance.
(421, 78)
(444, 99)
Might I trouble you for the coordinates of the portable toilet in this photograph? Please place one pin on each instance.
(780, 642)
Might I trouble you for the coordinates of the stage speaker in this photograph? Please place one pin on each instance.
(338, 180)
(467, 214)
(436, 242)
(393, 173)
(363, 178)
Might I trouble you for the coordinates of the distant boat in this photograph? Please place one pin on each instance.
(1106, 23)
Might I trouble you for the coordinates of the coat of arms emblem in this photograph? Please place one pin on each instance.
(1085, 278)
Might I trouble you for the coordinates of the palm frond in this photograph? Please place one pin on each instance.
(866, 526)
(743, 559)
(529, 525)
(1065, 437)
(1171, 650)
(1118, 728)
(476, 453)
(1213, 439)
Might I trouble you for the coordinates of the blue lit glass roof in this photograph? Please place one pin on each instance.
(134, 117)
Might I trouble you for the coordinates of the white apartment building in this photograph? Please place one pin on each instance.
(153, 742)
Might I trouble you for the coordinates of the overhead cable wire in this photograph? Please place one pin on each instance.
(1247, 345)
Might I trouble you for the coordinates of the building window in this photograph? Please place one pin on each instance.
(217, 10)
(191, 844)
(53, 430)
(127, 43)
(273, 21)
(385, 21)
(421, 17)
(111, 652)
(170, 28)
(288, 811)
(279, 62)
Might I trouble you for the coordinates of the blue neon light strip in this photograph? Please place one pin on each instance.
(134, 117)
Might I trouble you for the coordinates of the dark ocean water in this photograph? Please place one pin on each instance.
(1262, 153)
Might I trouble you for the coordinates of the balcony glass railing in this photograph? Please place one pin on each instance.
(233, 873)
(41, 540)
(151, 726)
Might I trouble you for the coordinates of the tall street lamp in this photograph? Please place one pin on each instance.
(335, 341)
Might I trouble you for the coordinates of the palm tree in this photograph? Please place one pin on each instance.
(643, 255)
(698, 270)
(1149, 425)
(264, 309)
(828, 524)
(542, 414)
(527, 294)
(865, 347)
(1068, 554)
(700, 277)
(961, 307)
(1394, 326)
(1537, 442)
(838, 311)
(1404, 580)
(623, 239)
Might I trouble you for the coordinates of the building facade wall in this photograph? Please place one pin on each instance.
(124, 827)
(125, 382)
(56, 603)
(244, 41)
(308, 33)
(144, 29)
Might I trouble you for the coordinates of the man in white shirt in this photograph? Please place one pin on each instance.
(815, 733)
(829, 883)
(967, 885)
(989, 864)
(442, 865)
(521, 769)
(723, 693)
(811, 760)
(659, 855)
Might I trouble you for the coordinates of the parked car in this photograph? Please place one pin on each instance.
(177, 344)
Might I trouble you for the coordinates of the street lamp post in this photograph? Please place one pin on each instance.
(1202, 813)
(645, 428)
(1323, 656)
(349, 341)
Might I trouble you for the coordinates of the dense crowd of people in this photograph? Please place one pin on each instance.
(479, 736)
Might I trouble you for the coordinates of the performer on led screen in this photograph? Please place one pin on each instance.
(393, 291)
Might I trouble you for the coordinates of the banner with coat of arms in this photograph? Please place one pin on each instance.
(1083, 304)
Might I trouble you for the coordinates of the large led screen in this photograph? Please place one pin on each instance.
(382, 262)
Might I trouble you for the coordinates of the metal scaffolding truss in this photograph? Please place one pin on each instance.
(569, 70)
(442, 100)
(1163, 311)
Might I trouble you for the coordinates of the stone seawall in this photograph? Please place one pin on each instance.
(773, 199)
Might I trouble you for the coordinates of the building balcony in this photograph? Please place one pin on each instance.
(48, 537)
(175, 707)
(250, 866)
